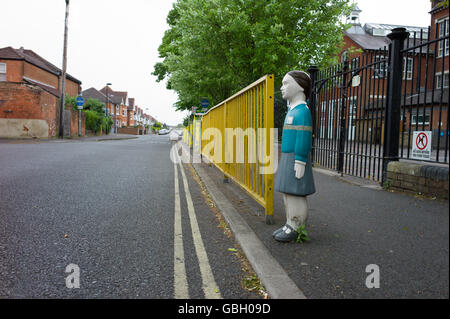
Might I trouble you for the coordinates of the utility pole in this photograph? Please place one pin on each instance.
(63, 75)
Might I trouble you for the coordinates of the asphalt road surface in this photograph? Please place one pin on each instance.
(132, 222)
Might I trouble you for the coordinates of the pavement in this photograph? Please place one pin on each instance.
(97, 138)
(353, 223)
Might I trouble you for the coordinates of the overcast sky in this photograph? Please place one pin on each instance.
(117, 41)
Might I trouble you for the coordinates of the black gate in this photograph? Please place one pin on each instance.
(359, 106)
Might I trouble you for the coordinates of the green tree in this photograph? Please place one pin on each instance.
(94, 105)
(213, 48)
(71, 101)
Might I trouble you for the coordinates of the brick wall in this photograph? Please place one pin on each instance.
(72, 88)
(134, 130)
(419, 178)
(40, 75)
(22, 101)
(129, 130)
(74, 123)
(14, 70)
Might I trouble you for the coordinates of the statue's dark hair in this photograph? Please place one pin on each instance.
(303, 79)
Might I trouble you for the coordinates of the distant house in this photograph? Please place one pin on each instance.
(26, 66)
(131, 113)
(29, 95)
(120, 111)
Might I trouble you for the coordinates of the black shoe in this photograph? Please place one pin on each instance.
(278, 231)
(286, 235)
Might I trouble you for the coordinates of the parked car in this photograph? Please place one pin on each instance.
(163, 131)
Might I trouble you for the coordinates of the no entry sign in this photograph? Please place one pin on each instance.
(421, 146)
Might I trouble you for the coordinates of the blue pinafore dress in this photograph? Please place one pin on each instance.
(296, 145)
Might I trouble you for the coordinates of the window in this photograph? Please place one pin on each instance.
(354, 64)
(344, 56)
(381, 67)
(439, 83)
(353, 104)
(408, 68)
(2, 72)
(443, 31)
(419, 119)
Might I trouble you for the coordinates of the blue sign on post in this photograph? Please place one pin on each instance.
(80, 102)
(205, 103)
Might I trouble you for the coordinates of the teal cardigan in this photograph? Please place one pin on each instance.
(297, 133)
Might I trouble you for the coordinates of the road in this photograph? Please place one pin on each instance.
(134, 223)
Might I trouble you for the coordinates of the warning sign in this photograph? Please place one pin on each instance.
(421, 146)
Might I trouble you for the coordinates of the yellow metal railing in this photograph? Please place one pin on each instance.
(237, 137)
(187, 135)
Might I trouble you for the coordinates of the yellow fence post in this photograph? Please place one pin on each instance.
(268, 126)
(247, 116)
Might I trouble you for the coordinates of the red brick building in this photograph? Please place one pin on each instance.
(118, 108)
(425, 74)
(131, 120)
(29, 95)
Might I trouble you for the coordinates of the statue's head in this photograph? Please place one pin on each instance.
(294, 83)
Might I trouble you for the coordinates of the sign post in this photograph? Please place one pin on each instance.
(421, 145)
(205, 105)
(80, 103)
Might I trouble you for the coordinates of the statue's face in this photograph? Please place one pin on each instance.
(290, 88)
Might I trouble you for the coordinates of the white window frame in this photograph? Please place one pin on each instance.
(406, 71)
(352, 105)
(3, 72)
(445, 79)
(443, 26)
(414, 117)
(378, 67)
(354, 64)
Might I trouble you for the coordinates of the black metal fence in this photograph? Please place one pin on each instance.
(425, 97)
(366, 109)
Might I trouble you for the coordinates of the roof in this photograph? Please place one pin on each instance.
(373, 35)
(47, 88)
(32, 57)
(131, 104)
(389, 27)
(114, 98)
(92, 93)
(119, 97)
(369, 42)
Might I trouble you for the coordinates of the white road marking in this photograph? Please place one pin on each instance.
(180, 279)
(210, 288)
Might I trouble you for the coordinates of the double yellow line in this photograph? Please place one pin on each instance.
(181, 287)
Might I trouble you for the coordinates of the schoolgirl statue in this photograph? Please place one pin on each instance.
(295, 178)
